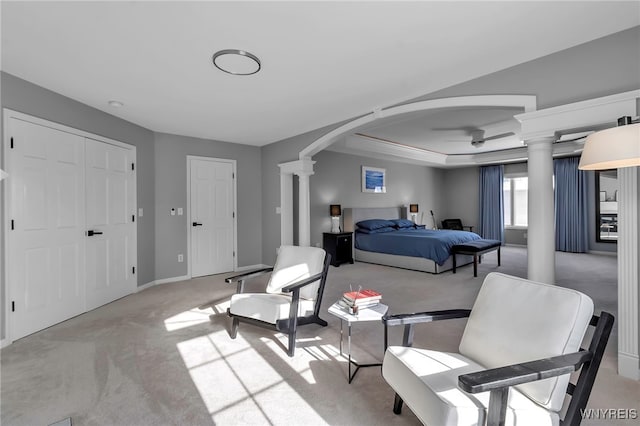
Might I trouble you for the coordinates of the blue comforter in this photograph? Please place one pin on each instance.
(427, 243)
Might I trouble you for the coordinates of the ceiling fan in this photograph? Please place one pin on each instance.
(477, 136)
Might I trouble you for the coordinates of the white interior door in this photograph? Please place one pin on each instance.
(45, 255)
(212, 216)
(110, 232)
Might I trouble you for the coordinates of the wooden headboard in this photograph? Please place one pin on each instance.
(355, 215)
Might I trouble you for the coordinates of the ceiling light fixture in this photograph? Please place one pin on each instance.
(236, 62)
(116, 104)
(613, 148)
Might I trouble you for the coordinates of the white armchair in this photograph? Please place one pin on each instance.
(293, 294)
(520, 344)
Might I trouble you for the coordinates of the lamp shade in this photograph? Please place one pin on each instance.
(413, 208)
(335, 210)
(612, 148)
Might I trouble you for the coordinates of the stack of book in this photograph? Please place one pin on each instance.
(360, 299)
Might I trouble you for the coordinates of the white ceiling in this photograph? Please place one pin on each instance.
(322, 62)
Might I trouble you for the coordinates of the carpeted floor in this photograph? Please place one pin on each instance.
(163, 356)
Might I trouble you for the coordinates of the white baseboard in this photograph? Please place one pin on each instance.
(186, 277)
(172, 280)
(162, 281)
(145, 286)
(605, 253)
(628, 366)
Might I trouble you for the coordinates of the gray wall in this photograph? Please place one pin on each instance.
(171, 192)
(599, 68)
(20, 95)
(461, 196)
(337, 180)
(272, 155)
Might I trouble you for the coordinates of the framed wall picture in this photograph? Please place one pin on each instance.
(374, 180)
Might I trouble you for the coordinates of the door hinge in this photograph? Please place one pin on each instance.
(234, 254)
(133, 166)
(11, 142)
(13, 306)
(13, 225)
(134, 269)
(233, 215)
(133, 218)
(233, 175)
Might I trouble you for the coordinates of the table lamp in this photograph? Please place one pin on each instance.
(335, 212)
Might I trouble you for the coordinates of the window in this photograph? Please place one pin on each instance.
(515, 201)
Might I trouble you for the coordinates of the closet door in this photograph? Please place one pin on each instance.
(110, 236)
(212, 217)
(45, 251)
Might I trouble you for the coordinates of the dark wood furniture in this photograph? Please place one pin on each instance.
(476, 249)
(455, 224)
(339, 246)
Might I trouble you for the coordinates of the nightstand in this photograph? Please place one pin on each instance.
(339, 246)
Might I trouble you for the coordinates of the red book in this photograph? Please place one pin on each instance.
(362, 295)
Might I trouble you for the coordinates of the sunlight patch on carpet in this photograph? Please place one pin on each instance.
(188, 318)
(239, 386)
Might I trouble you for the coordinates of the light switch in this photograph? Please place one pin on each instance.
(179, 211)
(140, 212)
(278, 210)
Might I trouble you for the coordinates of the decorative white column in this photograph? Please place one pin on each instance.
(303, 169)
(286, 208)
(628, 272)
(304, 210)
(541, 229)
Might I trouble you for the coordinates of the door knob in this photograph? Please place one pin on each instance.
(91, 233)
(197, 224)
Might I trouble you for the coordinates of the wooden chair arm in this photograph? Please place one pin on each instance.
(248, 275)
(420, 317)
(409, 320)
(302, 283)
(516, 374)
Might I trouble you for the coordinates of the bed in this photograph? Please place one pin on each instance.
(419, 249)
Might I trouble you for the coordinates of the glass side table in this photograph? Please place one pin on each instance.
(373, 313)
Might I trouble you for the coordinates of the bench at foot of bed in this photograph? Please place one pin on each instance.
(476, 249)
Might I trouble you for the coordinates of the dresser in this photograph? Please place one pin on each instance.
(339, 246)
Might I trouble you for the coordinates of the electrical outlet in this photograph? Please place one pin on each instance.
(180, 258)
